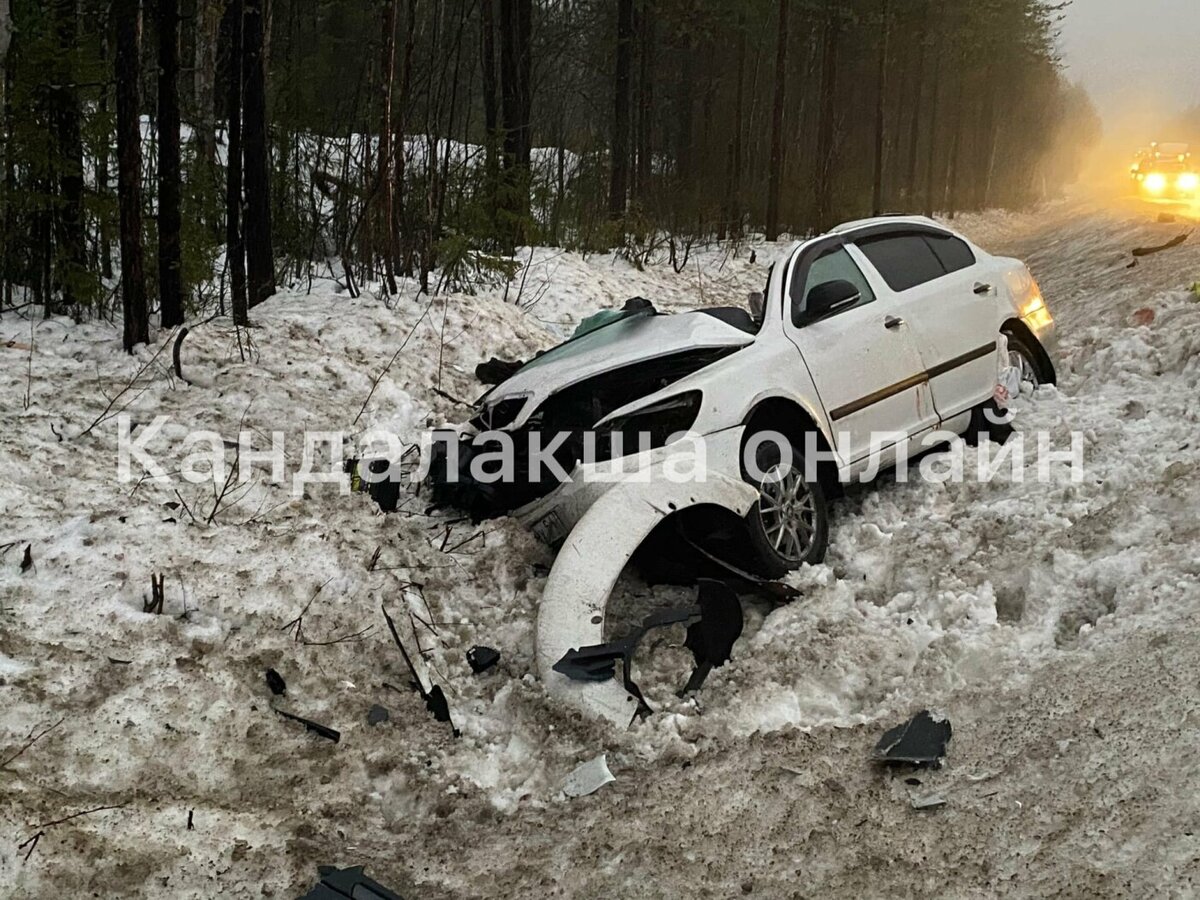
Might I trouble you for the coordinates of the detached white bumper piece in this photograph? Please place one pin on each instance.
(591, 560)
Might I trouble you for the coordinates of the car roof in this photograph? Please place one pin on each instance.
(894, 221)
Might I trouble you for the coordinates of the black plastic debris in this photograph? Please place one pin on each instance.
(711, 639)
(434, 697)
(497, 371)
(921, 741)
(379, 482)
(377, 714)
(337, 884)
(716, 624)
(315, 727)
(276, 683)
(480, 659)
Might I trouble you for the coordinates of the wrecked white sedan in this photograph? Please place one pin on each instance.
(866, 340)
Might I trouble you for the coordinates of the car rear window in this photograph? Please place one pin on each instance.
(904, 260)
(953, 253)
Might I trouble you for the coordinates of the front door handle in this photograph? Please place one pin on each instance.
(892, 322)
(981, 289)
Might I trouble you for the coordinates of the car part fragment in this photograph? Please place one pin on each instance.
(352, 882)
(315, 727)
(480, 659)
(921, 741)
(575, 598)
(588, 777)
(716, 624)
(432, 694)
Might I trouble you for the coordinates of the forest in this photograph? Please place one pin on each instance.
(169, 159)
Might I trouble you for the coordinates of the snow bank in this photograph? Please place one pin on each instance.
(928, 590)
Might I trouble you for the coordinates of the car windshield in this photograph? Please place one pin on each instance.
(604, 336)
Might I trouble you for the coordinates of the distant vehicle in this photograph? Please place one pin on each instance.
(1177, 151)
(1169, 178)
(884, 326)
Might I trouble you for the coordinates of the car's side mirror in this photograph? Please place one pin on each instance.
(830, 297)
(758, 306)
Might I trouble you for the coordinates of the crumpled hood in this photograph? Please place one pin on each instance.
(633, 340)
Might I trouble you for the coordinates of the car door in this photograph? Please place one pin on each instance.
(948, 301)
(863, 360)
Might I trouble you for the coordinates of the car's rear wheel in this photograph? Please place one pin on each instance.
(1025, 360)
(789, 525)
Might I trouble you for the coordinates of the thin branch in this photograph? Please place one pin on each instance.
(33, 739)
(104, 416)
(399, 350)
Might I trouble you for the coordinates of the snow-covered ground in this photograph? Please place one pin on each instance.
(1054, 624)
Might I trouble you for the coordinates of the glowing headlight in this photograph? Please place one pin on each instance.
(1033, 304)
(1188, 181)
(1156, 182)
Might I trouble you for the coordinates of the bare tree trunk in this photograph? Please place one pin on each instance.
(733, 189)
(103, 236)
(6, 31)
(207, 30)
(8, 173)
(170, 276)
(71, 259)
(914, 134)
(685, 156)
(127, 19)
(931, 162)
(880, 96)
(235, 248)
(387, 78)
(645, 120)
(825, 122)
(959, 113)
(619, 153)
(775, 175)
(491, 125)
(260, 260)
(987, 163)
(515, 96)
(410, 26)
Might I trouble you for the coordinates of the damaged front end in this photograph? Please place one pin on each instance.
(501, 462)
(581, 445)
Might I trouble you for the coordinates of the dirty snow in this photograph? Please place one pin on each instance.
(1053, 624)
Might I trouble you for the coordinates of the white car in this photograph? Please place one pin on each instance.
(887, 326)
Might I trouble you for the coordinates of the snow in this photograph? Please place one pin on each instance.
(969, 599)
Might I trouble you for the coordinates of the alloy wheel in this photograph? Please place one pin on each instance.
(788, 512)
(1018, 358)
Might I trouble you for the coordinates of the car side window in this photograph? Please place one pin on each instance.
(832, 265)
(904, 260)
(953, 253)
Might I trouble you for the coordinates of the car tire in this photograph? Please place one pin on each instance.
(1024, 357)
(791, 511)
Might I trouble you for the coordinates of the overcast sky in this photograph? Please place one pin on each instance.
(1139, 59)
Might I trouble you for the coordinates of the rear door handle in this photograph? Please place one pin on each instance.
(892, 322)
(981, 288)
